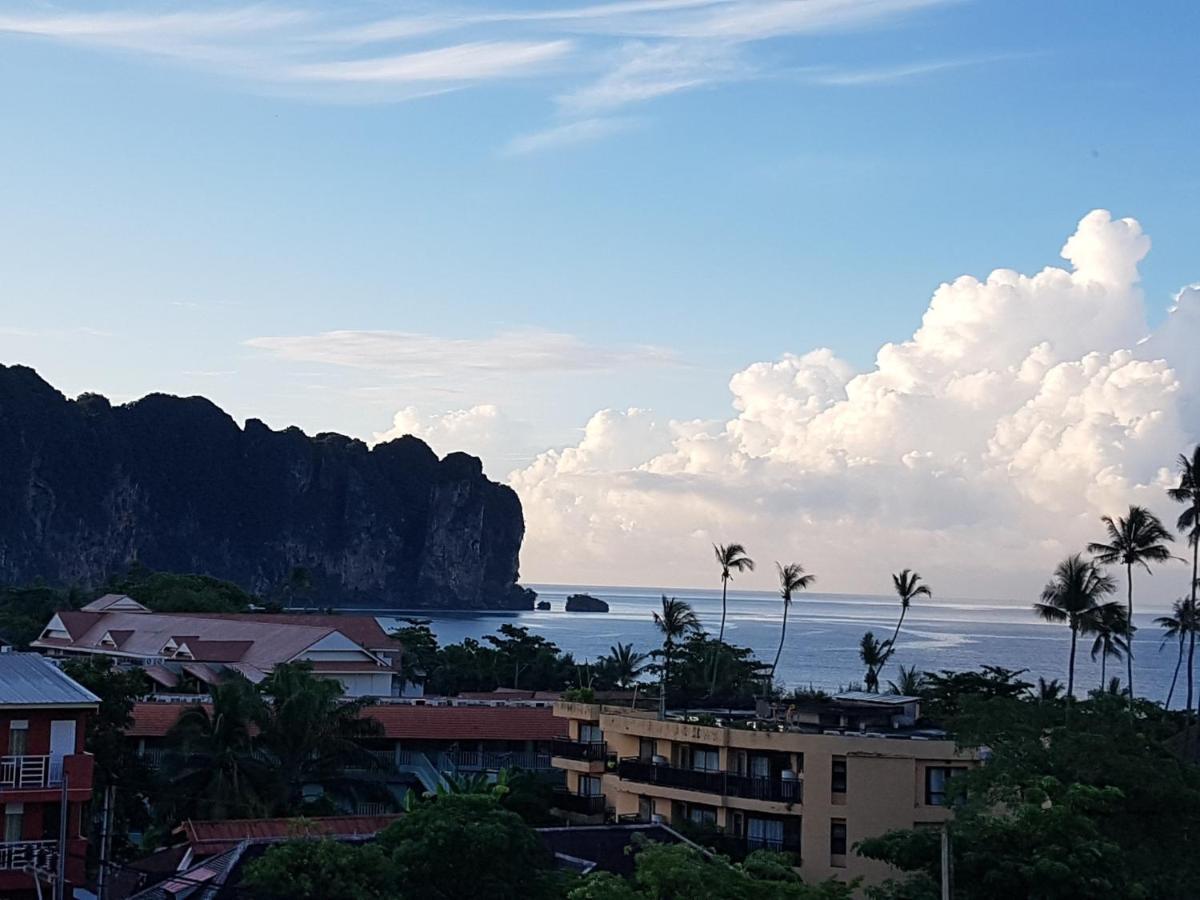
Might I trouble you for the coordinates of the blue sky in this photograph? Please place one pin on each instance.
(646, 195)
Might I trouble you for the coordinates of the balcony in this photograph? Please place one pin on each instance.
(26, 773)
(739, 846)
(578, 803)
(725, 784)
(583, 751)
(18, 854)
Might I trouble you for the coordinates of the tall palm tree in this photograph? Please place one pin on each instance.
(791, 579)
(731, 558)
(624, 664)
(1180, 625)
(910, 683)
(874, 656)
(1136, 539)
(1188, 492)
(1073, 596)
(1108, 625)
(1048, 691)
(908, 586)
(676, 621)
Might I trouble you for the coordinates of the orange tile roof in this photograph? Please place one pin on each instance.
(207, 838)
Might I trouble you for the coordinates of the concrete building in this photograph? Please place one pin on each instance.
(43, 717)
(810, 780)
(188, 652)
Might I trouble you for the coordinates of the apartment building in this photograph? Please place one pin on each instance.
(43, 717)
(811, 779)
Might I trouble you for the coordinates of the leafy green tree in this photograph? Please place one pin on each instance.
(908, 587)
(622, 666)
(530, 657)
(1074, 596)
(420, 648)
(740, 674)
(321, 870)
(791, 579)
(1136, 539)
(430, 845)
(173, 592)
(676, 621)
(24, 611)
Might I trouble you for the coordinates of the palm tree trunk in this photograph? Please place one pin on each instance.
(1103, 667)
(724, 587)
(1129, 635)
(896, 633)
(1071, 666)
(712, 688)
(1178, 663)
(1192, 640)
(782, 634)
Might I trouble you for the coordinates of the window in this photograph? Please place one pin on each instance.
(18, 737)
(702, 815)
(13, 816)
(590, 733)
(705, 760)
(589, 785)
(766, 833)
(51, 815)
(838, 775)
(760, 767)
(936, 779)
(837, 840)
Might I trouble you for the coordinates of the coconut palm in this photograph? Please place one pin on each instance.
(1188, 492)
(1073, 596)
(624, 664)
(908, 586)
(1136, 539)
(676, 621)
(874, 656)
(791, 579)
(1048, 691)
(731, 558)
(1181, 625)
(1108, 625)
(910, 683)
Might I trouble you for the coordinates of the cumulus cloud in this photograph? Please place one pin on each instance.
(979, 450)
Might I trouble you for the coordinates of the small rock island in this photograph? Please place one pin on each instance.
(585, 603)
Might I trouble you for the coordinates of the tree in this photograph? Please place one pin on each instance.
(1049, 691)
(731, 558)
(322, 870)
(1188, 492)
(1136, 539)
(874, 656)
(740, 674)
(910, 683)
(174, 592)
(676, 620)
(514, 864)
(532, 657)
(908, 587)
(791, 579)
(623, 664)
(215, 771)
(1109, 626)
(1073, 596)
(1179, 625)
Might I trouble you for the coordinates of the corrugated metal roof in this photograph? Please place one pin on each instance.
(27, 679)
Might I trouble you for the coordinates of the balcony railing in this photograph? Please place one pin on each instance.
(726, 784)
(579, 803)
(585, 751)
(18, 854)
(30, 772)
(740, 845)
(494, 760)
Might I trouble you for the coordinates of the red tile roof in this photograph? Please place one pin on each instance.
(364, 630)
(77, 622)
(405, 722)
(207, 838)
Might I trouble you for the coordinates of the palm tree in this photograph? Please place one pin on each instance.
(1135, 539)
(676, 620)
(1188, 523)
(624, 664)
(1109, 627)
(874, 656)
(1181, 624)
(1073, 596)
(910, 683)
(731, 558)
(1048, 691)
(791, 579)
(908, 586)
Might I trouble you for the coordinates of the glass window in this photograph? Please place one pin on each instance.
(589, 785)
(760, 767)
(765, 833)
(704, 760)
(18, 737)
(936, 779)
(13, 816)
(839, 775)
(837, 837)
(702, 815)
(590, 733)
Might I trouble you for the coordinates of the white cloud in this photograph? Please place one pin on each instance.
(461, 62)
(979, 450)
(583, 131)
(408, 354)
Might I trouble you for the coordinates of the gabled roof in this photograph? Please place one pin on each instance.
(364, 630)
(29, 679)
(115, 603)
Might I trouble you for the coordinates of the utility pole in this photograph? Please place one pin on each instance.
(947, 865)
(106, 817)
(64, 813)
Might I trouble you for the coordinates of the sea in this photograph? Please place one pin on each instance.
(823, 633)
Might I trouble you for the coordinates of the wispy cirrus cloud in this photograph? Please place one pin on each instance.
(410, 354)
(594, 58)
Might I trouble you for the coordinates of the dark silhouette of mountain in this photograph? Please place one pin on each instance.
(86, 488)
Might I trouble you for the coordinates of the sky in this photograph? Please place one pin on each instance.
(680, 271)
